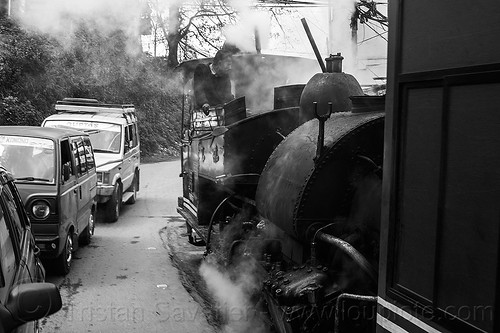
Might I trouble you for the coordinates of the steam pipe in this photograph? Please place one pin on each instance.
(351, 252)
(313, 243)
(210, 225)
(349, 296)
(313, 44)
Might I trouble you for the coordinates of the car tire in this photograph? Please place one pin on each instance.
(88, 232)
(113, 206)
(134, 188)
(63, 262)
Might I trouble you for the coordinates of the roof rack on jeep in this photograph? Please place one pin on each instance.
(81, 100)
(89, 105)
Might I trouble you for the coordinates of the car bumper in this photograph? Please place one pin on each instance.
(49, 246)
(104, 192)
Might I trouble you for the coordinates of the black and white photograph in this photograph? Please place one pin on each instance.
(249, 166)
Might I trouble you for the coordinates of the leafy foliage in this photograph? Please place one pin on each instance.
(36, 71)
(14, 112)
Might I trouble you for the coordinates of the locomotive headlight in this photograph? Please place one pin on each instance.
(40, 209)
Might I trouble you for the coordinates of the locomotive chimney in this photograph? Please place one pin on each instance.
(334, 63)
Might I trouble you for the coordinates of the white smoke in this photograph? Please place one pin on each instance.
(60, 18)
(232, 291)
(252, 24)
(340, 32)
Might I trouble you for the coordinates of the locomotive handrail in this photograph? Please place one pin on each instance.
(349, 296)
(222, 178)
(210, 224)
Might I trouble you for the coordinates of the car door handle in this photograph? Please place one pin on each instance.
(75, 190)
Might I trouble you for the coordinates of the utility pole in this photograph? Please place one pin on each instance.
(329, 45)
(354, 33)
(155, 40)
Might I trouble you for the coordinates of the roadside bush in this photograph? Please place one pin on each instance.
(36, 71)
(15, 112)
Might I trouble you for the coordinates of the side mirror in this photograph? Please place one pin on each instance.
(66, 171)
(28, 302)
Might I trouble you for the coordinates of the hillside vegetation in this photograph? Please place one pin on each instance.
(37, 70)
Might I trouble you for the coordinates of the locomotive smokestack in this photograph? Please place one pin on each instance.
(334, 63)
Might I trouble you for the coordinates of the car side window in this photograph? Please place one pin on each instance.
(82, 156)
(66, 159)
(127, 138)
(89, 153)
(13, 209)
(133, 127)
(9, 250)
(76, 158)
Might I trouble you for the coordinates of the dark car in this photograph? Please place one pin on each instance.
(24, 297)
(56, 176)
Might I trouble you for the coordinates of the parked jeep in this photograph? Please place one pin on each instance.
(56, 176)
(24, 296)
(114, 134)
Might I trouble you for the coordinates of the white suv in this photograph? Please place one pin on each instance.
(114, 135)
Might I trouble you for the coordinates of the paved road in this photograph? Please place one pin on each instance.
(124, 281)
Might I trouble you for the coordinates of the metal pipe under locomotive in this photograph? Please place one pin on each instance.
(301, 183)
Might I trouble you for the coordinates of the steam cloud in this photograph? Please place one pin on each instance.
(341, 33)
(232, 291)
(60, 19)
(251, 22)
(57, 17)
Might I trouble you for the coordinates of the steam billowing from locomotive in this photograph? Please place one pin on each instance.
(294, 190)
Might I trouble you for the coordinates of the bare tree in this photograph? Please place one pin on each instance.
(189, 29)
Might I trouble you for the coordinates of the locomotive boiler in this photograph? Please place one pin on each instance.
(297, 188)
(319, 198)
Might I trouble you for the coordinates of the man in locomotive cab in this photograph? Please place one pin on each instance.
(212, 84)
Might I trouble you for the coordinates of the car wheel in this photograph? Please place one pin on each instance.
(113, 206)
(63, 262)
(86, 235)
(134, 189)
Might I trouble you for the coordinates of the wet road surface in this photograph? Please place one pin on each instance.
(124, 281)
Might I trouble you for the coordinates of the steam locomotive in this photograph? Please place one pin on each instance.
(365, 213)
(299, 186)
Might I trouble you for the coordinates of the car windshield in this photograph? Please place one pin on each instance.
(28, 159)
(105, 137)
